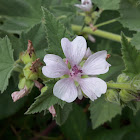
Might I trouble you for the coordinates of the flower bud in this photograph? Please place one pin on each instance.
(136, 83)
(29, 55)
(24, 82)
(122, 78)
(127, 96)
(28, 73)
(112, 96)
(52, 111)
(19, 94)
(44, 89)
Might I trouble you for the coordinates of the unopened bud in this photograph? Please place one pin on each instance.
(24, 82)
(112, 96)
(122, 78)
(127, 96)
(52, 111)
(44, 89)
(29, 55)
(136, 83)
(19, 94)
(29, 74)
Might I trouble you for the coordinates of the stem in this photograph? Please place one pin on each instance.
(98, 32)
(120, 86)
(106, 22)
(18, 68)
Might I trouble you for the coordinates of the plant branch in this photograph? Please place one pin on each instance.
(98, 32)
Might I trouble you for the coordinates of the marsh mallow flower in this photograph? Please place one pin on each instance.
(86, 5)
(79, 76)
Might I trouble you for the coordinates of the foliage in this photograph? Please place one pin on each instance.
(45, 23)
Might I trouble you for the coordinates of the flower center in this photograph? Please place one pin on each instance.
(75, 71)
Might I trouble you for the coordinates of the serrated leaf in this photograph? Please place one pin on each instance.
(131, 57)
(102, 111)
(6, 62)
(107, 4)
(136, 41)
(130, 14)
(55, 32)
(19, 15)
(62, 113)
(45, 100)
(76, 125)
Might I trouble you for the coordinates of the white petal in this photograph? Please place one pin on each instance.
(65, 90)
(88, 53)
(93, 87)
(85, 8)
(75, 50)
(96, 64)
(86, 1)
(80, 95)
(55, 66)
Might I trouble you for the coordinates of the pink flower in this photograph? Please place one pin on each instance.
(19, 94)
(86, 5)
(68, 89)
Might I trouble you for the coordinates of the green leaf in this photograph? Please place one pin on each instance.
(6, 62)
(102, 111)
(131, 57)
(76, 125)
(107, 4)
(55, 32)
(37, 35)
(7, 106)
(62, 113)
(130, 14)
(45, 100)
(136, 41)
(19, 15)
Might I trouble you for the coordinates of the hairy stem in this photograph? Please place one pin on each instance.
(18, 68)
(106, 22)
(98, 32)
(119, 86)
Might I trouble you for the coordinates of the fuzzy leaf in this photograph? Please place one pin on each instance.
(107, 4)
(55, 32)
(76, 125)
(6, 62)
(19, 15)
(102, 111)
(130, 14)
(45, 100)
(131, 57)
(62, 113)
(136, 41)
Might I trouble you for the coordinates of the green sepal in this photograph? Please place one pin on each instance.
(29, 74)
(26, 58)
(127, 96)
(112, 95)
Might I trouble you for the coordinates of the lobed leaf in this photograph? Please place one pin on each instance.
(45, 100)
(102, 111)
(55, 32)
(130, 14)
(6, 62)
(131, 57)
